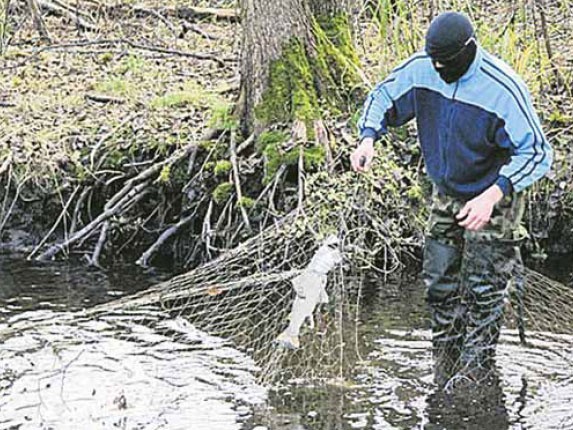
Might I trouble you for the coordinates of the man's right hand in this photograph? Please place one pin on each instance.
(362, 157)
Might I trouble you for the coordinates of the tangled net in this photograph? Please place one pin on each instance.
(246, 295)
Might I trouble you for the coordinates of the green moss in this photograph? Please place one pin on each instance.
(291, 93)
(222, 167)
(299, 83)
(106, 57)
(132, 64)
(415, 193)
(165, 174)
(270, 138)
(222, 192)
(116, 86)
(222, 116)
(337, 63)
(209, 166)
(246, 202)
(275, 156)
(314, 158)
(176, 99)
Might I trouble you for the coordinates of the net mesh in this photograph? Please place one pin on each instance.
(246, 295)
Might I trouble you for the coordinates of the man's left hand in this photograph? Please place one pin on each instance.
(477, 212)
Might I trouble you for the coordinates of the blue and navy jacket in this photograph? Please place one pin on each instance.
(475, 132)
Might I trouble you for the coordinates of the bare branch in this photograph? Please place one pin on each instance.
(34, 7)
(66, 12)
(94, 260)
(143, 261)
(237, 181)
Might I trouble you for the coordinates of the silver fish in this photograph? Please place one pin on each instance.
(310, 289)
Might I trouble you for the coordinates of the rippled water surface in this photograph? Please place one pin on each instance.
(150, 370)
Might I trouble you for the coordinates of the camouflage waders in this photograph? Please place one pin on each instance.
(466, 274)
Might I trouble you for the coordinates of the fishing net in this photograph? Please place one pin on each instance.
(290, 297)
(493, 290)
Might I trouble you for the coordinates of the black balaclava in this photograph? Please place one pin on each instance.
(450, 41)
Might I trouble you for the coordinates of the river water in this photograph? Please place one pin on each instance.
(146, 369)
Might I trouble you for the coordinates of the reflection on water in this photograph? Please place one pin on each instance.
(392, 388)
(27, 285)
(149, 370)
(132, 371)
(137, 370)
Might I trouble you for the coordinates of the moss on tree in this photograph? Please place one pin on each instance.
(291, 93)
(309, 78)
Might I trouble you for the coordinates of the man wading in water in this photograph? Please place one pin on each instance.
(483, 145)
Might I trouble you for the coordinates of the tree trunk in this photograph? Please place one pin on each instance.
(297, 56)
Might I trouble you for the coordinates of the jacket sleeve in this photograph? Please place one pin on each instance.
(391, 102)
(531, 153)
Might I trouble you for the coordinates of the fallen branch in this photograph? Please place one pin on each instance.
(108, 212)
(199, 55)
(11, 208)
(4, 26)
(193, 12)
(143, 261)
(121, 201)
(196, 29)
(58, 9)
(79, 203)
(73, 9)
(102, 98)
(94, 260)
(6, 164)
(63, 213)
(157, 15)
(39, 24)
(98, 145)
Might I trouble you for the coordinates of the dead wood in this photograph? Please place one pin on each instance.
(58, 9)
(103, 98)
(193, 13)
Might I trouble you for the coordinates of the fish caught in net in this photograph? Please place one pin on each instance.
(290, 296)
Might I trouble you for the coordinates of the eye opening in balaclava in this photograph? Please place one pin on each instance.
(451, 44)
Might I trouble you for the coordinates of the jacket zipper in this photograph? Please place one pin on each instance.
(448, 132)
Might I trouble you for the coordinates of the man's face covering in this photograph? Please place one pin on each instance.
(451, 45)
(452, 69)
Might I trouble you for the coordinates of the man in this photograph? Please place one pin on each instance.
(483, 145)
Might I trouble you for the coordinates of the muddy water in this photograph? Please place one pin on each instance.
(149, 370)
